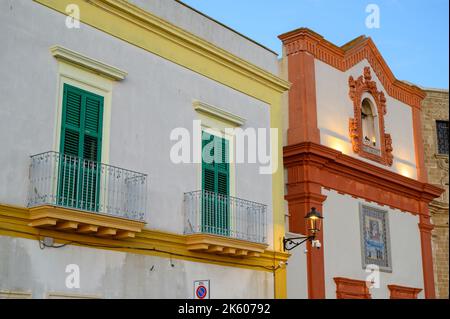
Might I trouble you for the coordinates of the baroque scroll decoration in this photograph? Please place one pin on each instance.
(358, 87)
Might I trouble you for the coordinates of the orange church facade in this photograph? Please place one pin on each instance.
(354, 138)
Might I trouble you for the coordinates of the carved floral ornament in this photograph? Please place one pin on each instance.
(381, 150)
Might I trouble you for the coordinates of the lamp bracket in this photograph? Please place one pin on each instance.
(293, 242)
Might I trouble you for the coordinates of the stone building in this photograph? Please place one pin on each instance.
(435, 137)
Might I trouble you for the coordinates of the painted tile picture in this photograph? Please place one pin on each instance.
(375, 241)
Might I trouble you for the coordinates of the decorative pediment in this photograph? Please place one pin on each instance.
(345, 57)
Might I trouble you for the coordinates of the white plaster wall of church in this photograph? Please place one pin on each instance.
(334, 108)
(24, 267)
(342, 246)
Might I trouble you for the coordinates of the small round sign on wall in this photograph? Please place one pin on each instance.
(201, 289)
(201, 292)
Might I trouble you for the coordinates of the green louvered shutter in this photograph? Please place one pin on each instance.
(91, 152)
(70, 146)
(215, 186)
(81, 136)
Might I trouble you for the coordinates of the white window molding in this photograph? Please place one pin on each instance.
(83, 61)
(69, 73)
(215, 121)
(218, 113)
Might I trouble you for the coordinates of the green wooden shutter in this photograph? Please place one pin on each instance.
(70, 147)
(215, 186)
(92, 142)
(81, 136)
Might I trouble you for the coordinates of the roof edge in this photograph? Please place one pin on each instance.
(346, 56)
(227, 27)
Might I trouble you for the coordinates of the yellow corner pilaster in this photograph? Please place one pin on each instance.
(280, 283)
(276, 119)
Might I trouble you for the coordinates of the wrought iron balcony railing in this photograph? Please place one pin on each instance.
(68, 181)
(216, 214)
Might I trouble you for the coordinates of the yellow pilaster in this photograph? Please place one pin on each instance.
(276, 119)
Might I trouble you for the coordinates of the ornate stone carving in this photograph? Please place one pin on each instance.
(442, 164)
(357, 88)
(389, 149)
(354, 134)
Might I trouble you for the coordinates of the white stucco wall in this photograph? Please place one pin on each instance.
(213, 32)
(334, 108)
(155, 98)
(342, 246)
(24, 267)
(297, 280)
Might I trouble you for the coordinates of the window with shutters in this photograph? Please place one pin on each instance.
(80, 149)
(215, 185)
(442, 137)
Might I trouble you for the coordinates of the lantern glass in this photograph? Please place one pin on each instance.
(314, 221)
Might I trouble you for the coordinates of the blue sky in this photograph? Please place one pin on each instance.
(413, 34)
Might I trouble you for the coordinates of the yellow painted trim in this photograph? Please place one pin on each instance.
(14, 223)
(70, 215)
(144, 30)
(151, 33)
(278, 207)
(281, 283)
(202, 242)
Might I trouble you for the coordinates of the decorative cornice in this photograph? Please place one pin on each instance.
(350, 54)
(348, 175)
(402, 292)
(197, 48)
(78, 59)
(219, 113)
(351, 289)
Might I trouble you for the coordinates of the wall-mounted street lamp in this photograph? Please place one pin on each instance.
(313, 224)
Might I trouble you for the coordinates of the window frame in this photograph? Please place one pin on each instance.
(376, 130)
(221, 205)
(85, 80)
(91, 199)
(359, 90)
(438, 150)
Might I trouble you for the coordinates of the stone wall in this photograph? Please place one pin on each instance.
(435, 107)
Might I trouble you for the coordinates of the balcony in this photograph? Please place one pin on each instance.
(68, 193)
(225, 225)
